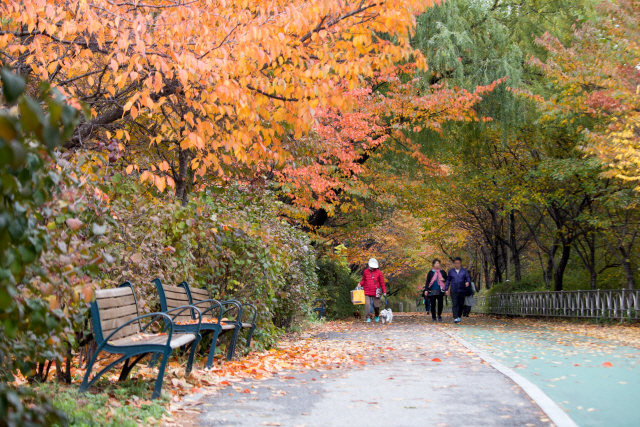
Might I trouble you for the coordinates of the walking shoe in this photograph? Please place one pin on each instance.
(377, 319)
(368, 320)
(457, 320)
(439, 318)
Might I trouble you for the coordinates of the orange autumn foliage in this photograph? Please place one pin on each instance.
(225, 81)
(344, 137)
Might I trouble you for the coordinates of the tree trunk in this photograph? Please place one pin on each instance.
(564, 260)
(487, 274)
(592, 255)
(551, 262)
(181, 179)
(594, 277)
(514, 246)
(628, 269)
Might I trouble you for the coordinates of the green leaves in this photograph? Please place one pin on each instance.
(12, 85)
(32, 195)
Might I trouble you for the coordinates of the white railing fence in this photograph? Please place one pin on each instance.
(613, 304)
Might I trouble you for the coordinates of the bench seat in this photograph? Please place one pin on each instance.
(177, 340)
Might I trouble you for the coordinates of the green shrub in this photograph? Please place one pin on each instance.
(335, 283)
(234, 243)
(52, 236)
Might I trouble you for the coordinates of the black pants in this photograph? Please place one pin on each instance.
(457, 299)
(436, 299)
(427, 304)
(466, 311)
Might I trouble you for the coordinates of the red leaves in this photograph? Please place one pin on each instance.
(436, 360)
(607, 365)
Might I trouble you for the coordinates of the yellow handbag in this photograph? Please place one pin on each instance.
(357, 296)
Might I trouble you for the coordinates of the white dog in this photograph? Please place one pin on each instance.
(386, 315)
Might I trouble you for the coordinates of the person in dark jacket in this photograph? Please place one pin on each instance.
(433, 290)
(458, 282)
(372, 280)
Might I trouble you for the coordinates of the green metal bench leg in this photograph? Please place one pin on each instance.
(126, 369)
(194, 346)
(212, 350)
(85, 381)
(232, 344)
(154, 360)
(253, 328)
(157, 390)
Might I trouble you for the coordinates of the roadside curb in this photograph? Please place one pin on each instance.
(548, 406)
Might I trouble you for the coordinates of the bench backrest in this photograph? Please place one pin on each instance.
(197, 295)
(113, 308)
(174, 297)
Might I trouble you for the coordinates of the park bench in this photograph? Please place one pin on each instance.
(201, 297)
(175, 296)
(320, 308)
(118, 329)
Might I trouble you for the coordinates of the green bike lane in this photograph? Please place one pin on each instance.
(597, 382)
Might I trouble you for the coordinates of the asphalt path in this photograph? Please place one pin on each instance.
(402, 384)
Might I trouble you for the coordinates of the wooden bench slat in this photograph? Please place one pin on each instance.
(128, 330)
(112, 324)
(177, 295)
(171, 303)
(104, 303)
(176, 289)
(201, 294)
(113, 313)
(112, 293)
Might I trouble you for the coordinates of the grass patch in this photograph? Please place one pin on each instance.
(126, 404)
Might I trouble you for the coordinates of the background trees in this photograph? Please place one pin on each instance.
(529, 192)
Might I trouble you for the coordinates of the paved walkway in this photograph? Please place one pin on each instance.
(399, 386)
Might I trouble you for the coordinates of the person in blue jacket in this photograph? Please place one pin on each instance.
(458, 282)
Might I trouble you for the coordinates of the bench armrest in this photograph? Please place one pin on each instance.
(155, 316)
(237, 305)
(214, 304)
(184, 308)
